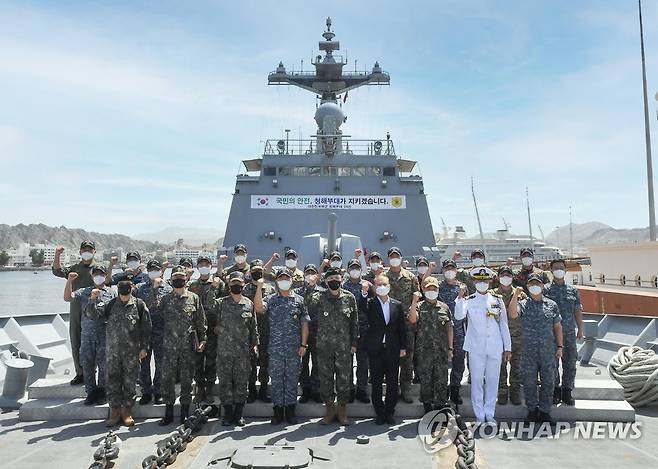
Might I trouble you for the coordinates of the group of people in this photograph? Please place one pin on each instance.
(284, 327)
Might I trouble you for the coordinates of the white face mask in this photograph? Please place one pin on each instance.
(395, 261)
(382, 290)
(308, 278)
(431, 295)
(450, 274)
(535, 289)
(87, 256)
(526, 261)
(506, 280)
(422, 270)
(284, 285)
(153, 274)
(375, 265)
(482, 287)
(99, 279)
(132, 265)
(355, 273)
(205, 270)
(559, 273)
(478, 261)
(291, 263)
(240, 259)
(336, 263)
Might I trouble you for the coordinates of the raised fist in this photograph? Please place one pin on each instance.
(72, 276)
(114, 260)
(223, 258)
(260, 282)
(325, 263)
(432, 265)
(276, 256)
(365, 287)
(358, 252)
(418, 296)
(59, 250)
(456, 255)
(95, 293)
(157, 283)
(462, 291)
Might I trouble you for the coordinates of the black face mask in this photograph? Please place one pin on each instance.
(333, 284)
(256, 275)
(124, 288)
(178, 283)
(236, 289)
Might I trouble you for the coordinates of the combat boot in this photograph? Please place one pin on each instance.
(545, 417)
(237, 415)
(101, 396)
(342, 415)
(91, 397)
(184, 412)
(168, 416)
(427, 406)
(454, 395)
(557, 395)
(127, 417)
(533, 415)
(515, 395)
(145, 399)
(404, 397)
(262, 394)
(329, 413)
(362, 396)
(115, 417)
(277, 416)
(253, 393)
(228, 415)
(291, 418)
(306, 396)
(503, 396)
(567, 398)
(316, 397)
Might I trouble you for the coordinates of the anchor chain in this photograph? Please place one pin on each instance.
(465, 443)
(107, 450)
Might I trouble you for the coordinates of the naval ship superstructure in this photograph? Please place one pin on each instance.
(294, 194)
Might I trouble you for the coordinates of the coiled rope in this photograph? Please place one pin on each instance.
(636, 369)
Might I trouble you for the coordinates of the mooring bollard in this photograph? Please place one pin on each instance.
(13, 391)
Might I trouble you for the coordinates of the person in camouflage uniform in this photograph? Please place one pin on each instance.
(187, 264)
(208, 288)
(433, 344)
(184, 333)
(571, 311)
(337, 339)
(290, 258)
(522, 274)
(240, 265)
(237, 335)
(152, 293)
(513, 392)
(259, 361)
(128, 341)
(375, 267)
(542, 334)
(403, 285)
(308, 379)
(288, 342)
(448, 292)
(352, 284)
(92, 338)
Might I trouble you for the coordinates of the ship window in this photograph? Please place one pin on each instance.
(359, 171)
(300, 171)
(654, 281)
(622, 279)
(389, 171)
(376, 171)
(314, 171)
(345, 171)
(269, 171)
(638, 281)
(328, 170)
(284, 171)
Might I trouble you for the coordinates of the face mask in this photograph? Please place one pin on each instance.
(478, 261)
(422, 270)
(336, 264)
(482, 287)
(355, 273)
(526, 261)
(240, 259)
(333, 284)
(153, 274)
(178, 282)
(236, 289)
(535, 289)
(375, 265)
(308, 278)
(450, 274)
(431, 295)
(291, 263)
(99, 279)
(382, 290)
(284, 285)
(257, 275)
(204, 270)
(559, 273)
(124, 288)
(87, 256)
(395, 261)
(506, 281)
(132, 265)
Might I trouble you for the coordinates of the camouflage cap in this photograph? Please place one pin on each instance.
(134, 255)
(86, 244)
(475, 252)
(430, 281)
(505, 269)
(186, 261)
(526, 252)
(448, 263)
(482, 273)
(153, 264)
(178, 270)
(99, 268)
(335, 254)
(203, 258)
(332, 271)
(283, 273)
(239, 247)
(394, 250)
(374, 254)
(310, 268)
(235, 277)
(354, 263)
(533, 277)
(422, 260)
(256, 264)
(291, 252)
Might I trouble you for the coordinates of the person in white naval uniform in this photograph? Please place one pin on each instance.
(487, 341)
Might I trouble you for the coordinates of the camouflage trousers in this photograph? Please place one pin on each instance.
(179, 360)
(205, 363)
(335, 372)
(514, 374)
(233, 371)
(122, 373)
(308, 378)
(284, 372)
(539, 358)
(407, 362)
(569, 359)
(458, 355)
(433, 375)
(92, 355)
(260, 362)
(152, 386)
(361, 369)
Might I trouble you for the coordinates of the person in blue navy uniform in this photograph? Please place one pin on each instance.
(134, 270)
(384, 325)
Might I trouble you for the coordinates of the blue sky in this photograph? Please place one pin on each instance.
(133, 116)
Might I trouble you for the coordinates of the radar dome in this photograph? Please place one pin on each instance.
(330, 110)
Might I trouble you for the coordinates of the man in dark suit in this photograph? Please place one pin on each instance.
(385, 341)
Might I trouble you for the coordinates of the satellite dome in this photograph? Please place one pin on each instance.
(329, 110)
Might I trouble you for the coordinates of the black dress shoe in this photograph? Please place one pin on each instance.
(78, 380)
(317, 398)
(291, 418)
(262, 394)
(168, 416)
(277, 415)
(362, 396)
(237, 415)
(145, 399)
(380, 419)
(567, 398)
(101, 396)
(305, 397)
(533, 416)
(389, 419)
(91, 397)
(557, 395)
(227, 420)
(253, 394)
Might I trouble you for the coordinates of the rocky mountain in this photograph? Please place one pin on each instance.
(12, 236)
(191, 236)
(581, 231)
(587, 234)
